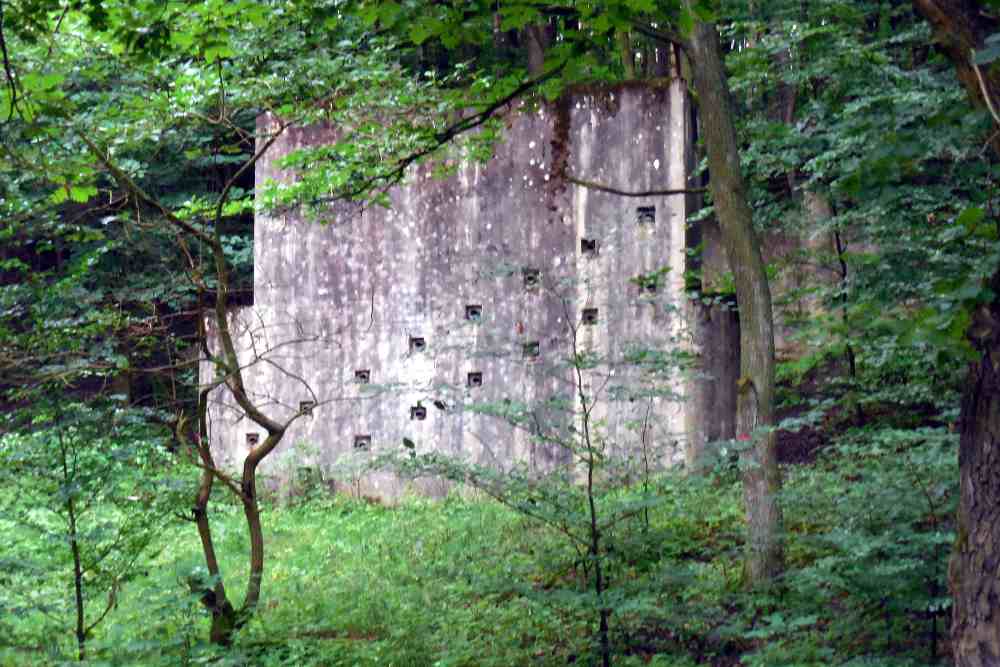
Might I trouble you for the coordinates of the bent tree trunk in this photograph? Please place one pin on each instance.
(226, 619)
(959, 27)
(755, 404)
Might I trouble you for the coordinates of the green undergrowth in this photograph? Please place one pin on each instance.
(469, 582)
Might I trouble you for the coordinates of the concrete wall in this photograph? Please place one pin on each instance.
(332, 300)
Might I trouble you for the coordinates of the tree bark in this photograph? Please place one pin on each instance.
(625, 51)
(975, 561)
(959, 27)
(537, 41)
(755, 405)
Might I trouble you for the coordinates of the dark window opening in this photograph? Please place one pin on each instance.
(650, 287)
(646, 215)
(474, 313)
(362, 441)
(589, 316)
(417, 344)
(418, 413)
(253, 438)
(531, 350)
(475, 379)
(306, 407)
(363, 376)
(588, 247)
(532, 278)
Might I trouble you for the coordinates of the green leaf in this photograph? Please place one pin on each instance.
(421, 31)
(970, 217)
(41, 82)
(601, 24)
(60, 194)
(987, 55)
(82, 193)
(218, 50)
(685, 22)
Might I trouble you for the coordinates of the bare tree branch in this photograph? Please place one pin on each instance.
(394, 175)
(140, 194)
(627, 193)
(660, 34)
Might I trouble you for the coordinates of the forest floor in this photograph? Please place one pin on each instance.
(467, 581)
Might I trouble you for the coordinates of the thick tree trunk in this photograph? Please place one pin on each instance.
(959, 27)
(755, 407)
(976, 557)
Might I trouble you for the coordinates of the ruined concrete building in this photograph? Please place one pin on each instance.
(452, 319)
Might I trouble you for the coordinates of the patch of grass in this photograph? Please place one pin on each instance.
(469, 582)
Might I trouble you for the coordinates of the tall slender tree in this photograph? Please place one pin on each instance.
(755, 404)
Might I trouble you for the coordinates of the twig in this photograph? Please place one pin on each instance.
(52, 44)
(982, 87)
(139, 193)
(8, 70)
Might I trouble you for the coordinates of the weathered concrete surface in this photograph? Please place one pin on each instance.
(333, 300)
(715, 324)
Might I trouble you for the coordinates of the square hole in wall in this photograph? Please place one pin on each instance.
(474, 312)
(306, 407)
(646, 215)
(363, 376)
(417, 344)
(531, 350)
(253, 438)
(474, 379)
(418, 413)
(362, 442)
(588, 247)
(532, 278)
(589, 316)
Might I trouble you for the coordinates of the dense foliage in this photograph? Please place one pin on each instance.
(127, 139)
(468, 582)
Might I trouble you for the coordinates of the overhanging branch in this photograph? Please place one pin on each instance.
(395, 174)
(668, 36)
(627, 193)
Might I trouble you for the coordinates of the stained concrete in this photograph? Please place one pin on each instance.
(332, 300)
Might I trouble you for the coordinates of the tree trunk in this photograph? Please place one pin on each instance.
(975, 559)
(755, 405)
(536, 41)
(625, 51)
(226, 620)
(959, 27)
(74, 545)
(251, 510)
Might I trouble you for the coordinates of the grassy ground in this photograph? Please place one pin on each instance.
(468, 582)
